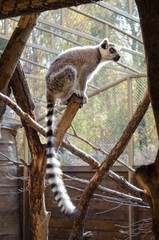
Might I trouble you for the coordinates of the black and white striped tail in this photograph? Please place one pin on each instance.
(53, 168)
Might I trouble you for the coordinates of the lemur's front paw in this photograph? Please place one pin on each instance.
(82, 95)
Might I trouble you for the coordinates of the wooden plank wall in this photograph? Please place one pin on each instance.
(103, 216)
(9, 194)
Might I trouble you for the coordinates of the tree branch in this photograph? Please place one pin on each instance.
(40, 6)
(23, 115)
(98, 149)
(122, 182)
(108, 190)
(66, 119)
(12, 53)
(14, 48)
(79, 153)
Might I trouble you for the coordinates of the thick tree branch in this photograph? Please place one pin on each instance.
(26, 102)
(12, 53)
(38, 214)
(66, 119)
(149, 20)
(23, 115)
(14, 48)
(36, 6)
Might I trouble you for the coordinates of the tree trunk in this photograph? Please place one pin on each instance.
(148, 176)
(38, 214)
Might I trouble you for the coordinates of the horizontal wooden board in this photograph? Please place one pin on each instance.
(65, 233)
(9, 225)
(101, 214)
(90, 224)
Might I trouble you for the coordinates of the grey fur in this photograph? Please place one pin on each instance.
(69, 73)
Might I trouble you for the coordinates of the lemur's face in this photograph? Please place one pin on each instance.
(113, 53)
(109, 51)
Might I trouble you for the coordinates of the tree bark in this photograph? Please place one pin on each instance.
(14, 48)
(38, 214)
(28, 7)
(12, 53)
(148, 176)
(66, 119)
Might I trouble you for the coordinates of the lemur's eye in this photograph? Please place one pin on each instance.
(111, 50)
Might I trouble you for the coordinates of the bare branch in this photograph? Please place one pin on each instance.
(12, 53)
(66, 119)
(9, 159)
(99, 149)
(24, 116)
(85, 157)
(122, 182)
(115, 200)
(24, 163)
(79, 153)
(118, 179)
(14, 48)
(107, 190)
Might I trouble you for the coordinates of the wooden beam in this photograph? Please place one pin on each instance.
(13, 8)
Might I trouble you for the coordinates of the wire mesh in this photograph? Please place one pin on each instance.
(105, 117)
(145, 137)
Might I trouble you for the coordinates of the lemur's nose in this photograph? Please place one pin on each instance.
(117, 57)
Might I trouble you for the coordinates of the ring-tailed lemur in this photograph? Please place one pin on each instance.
(69, 73)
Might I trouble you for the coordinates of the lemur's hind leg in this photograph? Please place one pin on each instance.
(62, 84)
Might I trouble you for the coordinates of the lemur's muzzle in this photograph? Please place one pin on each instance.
(116, 58)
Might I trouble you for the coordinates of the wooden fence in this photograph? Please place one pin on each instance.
(9, 197)
(104, 217)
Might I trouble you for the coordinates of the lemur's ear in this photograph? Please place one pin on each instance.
(105, 44)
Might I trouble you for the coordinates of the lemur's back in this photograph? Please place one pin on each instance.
(77, 57)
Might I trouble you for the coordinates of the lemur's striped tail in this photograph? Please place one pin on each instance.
(53, 168)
